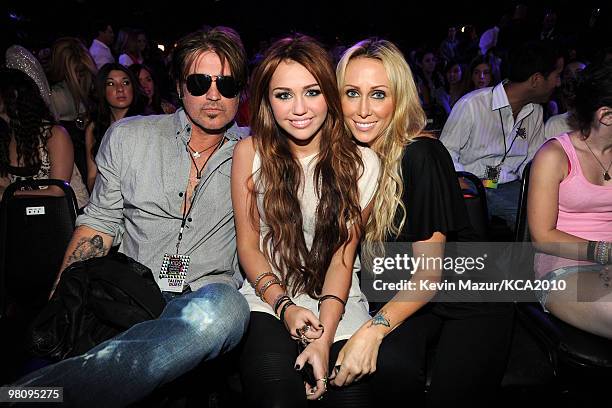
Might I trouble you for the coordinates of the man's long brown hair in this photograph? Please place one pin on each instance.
(338, 168)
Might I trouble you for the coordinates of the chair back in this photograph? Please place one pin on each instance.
(476, 203)
(521, 228)
(34, 233)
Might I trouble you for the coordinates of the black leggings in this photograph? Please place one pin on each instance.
(466, 347)
(268, 375)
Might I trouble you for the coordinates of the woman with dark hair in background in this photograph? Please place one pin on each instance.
(570, 208)
(119, 96)
(301, 189)
(456, 77)
(148, 83)
(32, 145)
(481, 75)
(430, 85)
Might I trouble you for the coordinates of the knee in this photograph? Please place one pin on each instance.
(219, 312)
(604, 312)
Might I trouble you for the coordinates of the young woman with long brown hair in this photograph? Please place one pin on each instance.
(301, 190)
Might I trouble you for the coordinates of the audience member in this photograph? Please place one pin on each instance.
(100, 46)
(494, 132)
(301, 189)
(418, 205)
(119, 96)
(72, 75)
(155, 105)
(570, 208)
(178, 229)
(32, 145)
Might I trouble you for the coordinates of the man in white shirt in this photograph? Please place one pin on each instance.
(495, 132)
(99, 49)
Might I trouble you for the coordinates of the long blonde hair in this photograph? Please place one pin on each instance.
(71, 62)
(408, 121)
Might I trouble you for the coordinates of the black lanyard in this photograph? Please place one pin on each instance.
(195, 192)
(516, 134)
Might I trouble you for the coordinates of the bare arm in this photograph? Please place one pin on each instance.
(399, 308)
(359, 355)
(548, 170)
(92, 168)
(338, 280)
(86, 243)
(246, 218)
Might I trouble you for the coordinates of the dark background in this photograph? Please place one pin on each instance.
(36, 24)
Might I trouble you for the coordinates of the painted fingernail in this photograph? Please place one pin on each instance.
(297, 367)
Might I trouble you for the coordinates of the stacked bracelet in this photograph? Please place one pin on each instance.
(334, 297)
(260, 277)
(279, 302)
(265, 286)
(602, 252)
(281, 315)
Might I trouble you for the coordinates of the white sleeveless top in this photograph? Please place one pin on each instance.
(356, 311)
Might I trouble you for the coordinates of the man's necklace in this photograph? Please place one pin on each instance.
(606, 174)
(197, 154)
(199, 170)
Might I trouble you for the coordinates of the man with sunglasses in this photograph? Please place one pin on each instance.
(163, 195)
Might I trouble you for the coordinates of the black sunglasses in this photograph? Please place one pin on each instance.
(199, 84)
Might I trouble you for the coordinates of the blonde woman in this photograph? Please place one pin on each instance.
(419, 204)
(72, 75)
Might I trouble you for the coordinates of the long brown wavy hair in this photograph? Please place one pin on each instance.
(338, 168)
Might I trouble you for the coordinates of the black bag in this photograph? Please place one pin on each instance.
(95, 300)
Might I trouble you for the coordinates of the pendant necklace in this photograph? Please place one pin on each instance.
(197, 154)
(606, 174)
(199, 170)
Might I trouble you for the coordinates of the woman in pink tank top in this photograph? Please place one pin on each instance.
(570, 209)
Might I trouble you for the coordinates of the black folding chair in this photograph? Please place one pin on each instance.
(476, 204)
(35, 231)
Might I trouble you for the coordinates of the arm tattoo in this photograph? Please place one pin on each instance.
(380, 319)
(87, 248)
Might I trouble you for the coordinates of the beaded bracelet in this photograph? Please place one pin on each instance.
(599, 252)
(266, 285)
(602, 252)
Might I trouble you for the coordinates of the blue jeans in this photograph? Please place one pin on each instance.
(503, 201)
(193, 327)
